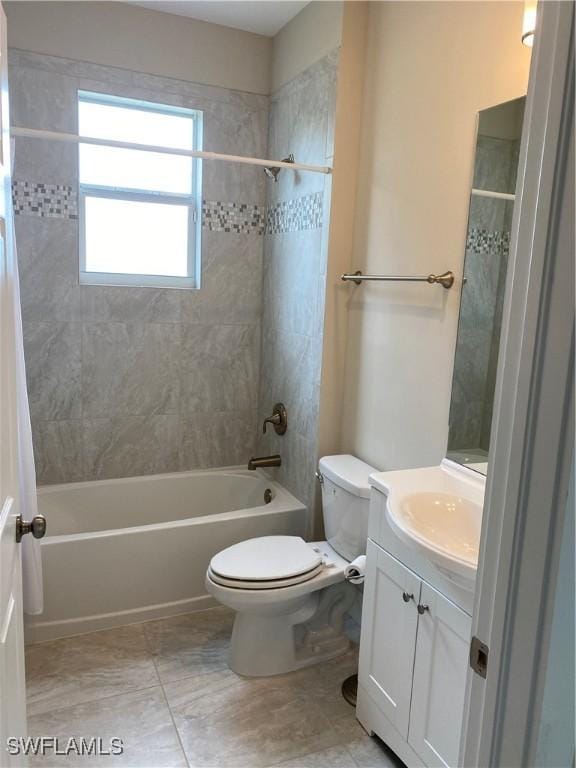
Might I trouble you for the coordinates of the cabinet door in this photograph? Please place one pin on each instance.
(388, 636)
(440, 670)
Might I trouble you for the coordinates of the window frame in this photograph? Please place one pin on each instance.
(193, 202)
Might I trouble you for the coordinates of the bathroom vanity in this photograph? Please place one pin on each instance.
(424, 524)
(416, 617)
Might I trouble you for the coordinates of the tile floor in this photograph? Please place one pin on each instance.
(165, 689)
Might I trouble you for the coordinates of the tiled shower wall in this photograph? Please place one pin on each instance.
(127, 381)
(482, 296)
(301, 122)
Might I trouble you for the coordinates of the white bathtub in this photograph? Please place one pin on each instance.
(128, 550)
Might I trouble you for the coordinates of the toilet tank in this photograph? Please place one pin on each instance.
(345, 503)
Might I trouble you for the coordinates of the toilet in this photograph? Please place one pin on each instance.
(291, 596)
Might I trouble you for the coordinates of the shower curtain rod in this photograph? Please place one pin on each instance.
(495, 195)
(72, 138)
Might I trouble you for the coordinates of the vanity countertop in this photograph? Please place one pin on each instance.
(447, 478)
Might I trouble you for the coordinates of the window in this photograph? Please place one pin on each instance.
(139, 210)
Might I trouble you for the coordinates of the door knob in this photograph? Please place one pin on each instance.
(422, 608)
(37, 527)
(406, 596)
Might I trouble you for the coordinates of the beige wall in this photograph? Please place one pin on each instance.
(308, 37)
(351, 74)
(430, 67)
(120, 35)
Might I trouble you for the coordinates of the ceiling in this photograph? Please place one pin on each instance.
(265, 17)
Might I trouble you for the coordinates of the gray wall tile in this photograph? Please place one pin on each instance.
(58, 451)
(40, 100)
(231, 290)
(124, 447)
(130, 369)
(113, 371)
(219, 368)
(217, 439)
(237, 131)
(129, 305)
(48, 263)
(53, 370)
(291, 279)
(301, 123)
(160, 380)
(43, 160)
(294, 281)
(299, 462)
(290, 372)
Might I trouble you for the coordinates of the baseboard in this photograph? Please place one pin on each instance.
(38, 631)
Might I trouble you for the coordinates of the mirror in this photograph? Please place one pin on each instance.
(485, 267)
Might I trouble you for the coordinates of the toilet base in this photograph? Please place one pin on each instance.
(308, 632)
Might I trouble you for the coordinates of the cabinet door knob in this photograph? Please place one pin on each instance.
(422, 608)
(407, 597)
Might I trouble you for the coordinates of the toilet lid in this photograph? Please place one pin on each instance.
(265, 559)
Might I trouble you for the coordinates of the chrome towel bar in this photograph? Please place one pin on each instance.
(446, 279)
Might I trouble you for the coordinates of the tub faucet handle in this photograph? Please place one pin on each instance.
(279, 419)
(275, 420)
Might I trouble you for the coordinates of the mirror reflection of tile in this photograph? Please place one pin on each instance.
(487, 247)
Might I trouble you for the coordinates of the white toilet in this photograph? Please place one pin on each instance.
(291, 596)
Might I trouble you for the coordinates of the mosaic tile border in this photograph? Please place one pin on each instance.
(240, 218)
(295, 215)
(484, 241)
(48, 201)
(60, 201)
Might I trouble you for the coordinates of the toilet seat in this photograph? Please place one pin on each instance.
(277, 584)
(267, 562)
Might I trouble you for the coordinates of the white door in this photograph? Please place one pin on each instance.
(12, 684)
(389, 621)
(532, 437)
(440, 670)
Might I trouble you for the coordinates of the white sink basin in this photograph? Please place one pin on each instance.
(437, 511)
(445, 527)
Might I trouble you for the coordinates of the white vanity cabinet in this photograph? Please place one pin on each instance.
(413, 663)
(439, 683)
(388, 637)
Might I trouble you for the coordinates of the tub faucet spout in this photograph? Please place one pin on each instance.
(265, 461)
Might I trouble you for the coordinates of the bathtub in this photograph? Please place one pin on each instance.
(134, 549)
